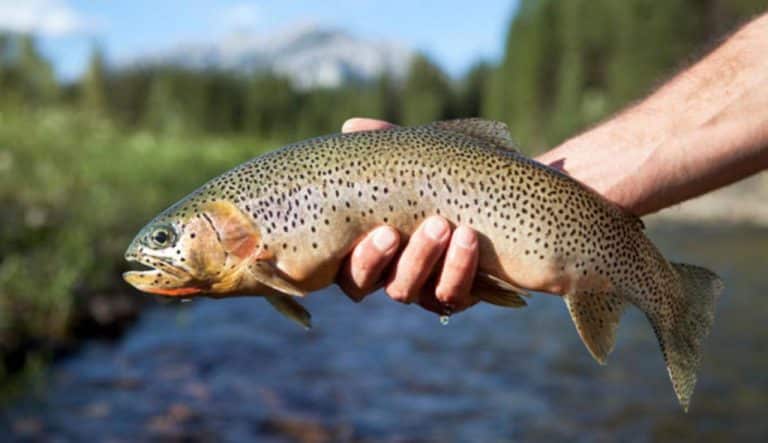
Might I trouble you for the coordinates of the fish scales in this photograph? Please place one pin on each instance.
(333, 189)
(282, 223)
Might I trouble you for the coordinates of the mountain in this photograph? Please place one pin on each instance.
(311, 56)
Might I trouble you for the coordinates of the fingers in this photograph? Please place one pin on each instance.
(428, 301)
(362, 270)
(364, 124)
(417, 261)
(458, 273)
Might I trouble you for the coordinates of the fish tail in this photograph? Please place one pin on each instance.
(682, 326)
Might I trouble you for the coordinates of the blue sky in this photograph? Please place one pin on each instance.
(455, 33)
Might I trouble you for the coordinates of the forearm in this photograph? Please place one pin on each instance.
(705, 128)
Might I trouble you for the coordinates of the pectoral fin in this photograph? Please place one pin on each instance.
(496, 291)
(290, 308)
(500, 298)
(491, 281)
(265, 272)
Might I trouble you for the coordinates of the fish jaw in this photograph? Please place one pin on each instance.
(162, 278)
(146, 281)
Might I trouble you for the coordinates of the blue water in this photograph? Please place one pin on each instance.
(234, 370)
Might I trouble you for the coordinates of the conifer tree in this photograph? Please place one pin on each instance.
(38, 82)
(426, 93)
(93, 93)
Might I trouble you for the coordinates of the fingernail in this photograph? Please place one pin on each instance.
(384, 239)
(436, 228)
(349, 125)
(464, 237)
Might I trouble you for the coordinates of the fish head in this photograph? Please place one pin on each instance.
(194, 248)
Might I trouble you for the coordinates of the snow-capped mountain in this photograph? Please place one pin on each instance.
(311, 56)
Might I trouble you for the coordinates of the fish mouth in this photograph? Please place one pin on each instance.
(157, 276)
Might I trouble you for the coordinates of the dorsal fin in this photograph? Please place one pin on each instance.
(494, 132)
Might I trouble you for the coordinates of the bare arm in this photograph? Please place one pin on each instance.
(704, 129)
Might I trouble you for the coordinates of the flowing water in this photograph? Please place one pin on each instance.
(233, 370)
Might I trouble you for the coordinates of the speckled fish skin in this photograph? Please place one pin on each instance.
(282, 223)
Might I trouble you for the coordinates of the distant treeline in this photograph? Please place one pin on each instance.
(173, 98)
(565, 65)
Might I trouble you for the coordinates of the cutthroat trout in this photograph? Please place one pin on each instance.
(280, 226)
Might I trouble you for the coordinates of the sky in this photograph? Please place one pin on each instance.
(454, 33)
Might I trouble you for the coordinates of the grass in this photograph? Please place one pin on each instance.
(74, 189)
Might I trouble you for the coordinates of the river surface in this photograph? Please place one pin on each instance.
(234, 370)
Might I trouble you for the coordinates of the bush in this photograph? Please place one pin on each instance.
(74, 189)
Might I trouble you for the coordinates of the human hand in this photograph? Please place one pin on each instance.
(435, 269)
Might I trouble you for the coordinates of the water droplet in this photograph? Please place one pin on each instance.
(444, 319)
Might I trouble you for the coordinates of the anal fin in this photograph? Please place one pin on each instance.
(596, 316)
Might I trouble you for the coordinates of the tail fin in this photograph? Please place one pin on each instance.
(682, 326)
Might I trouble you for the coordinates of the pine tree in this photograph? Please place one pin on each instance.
(39, 84)
(7, 70)
(162, 111)
(387, 99)
(521, 91)
(225, 102)
(426, 93)
(474, 86)
(568, 64)
(270, 106)
(93, 93)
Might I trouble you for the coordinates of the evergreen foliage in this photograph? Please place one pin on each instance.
(427, 93)
(567, 64)
(93, 94)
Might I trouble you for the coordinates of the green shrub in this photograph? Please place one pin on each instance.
(74, 189)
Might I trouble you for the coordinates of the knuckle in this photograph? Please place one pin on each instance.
(451, 293)
(399, 294)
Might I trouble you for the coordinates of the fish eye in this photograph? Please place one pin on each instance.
(161, 237)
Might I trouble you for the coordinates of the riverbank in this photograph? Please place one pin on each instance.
(745, 202)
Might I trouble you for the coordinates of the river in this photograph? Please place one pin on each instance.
(233, 370)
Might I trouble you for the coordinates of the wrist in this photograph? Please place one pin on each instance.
(608, 158)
